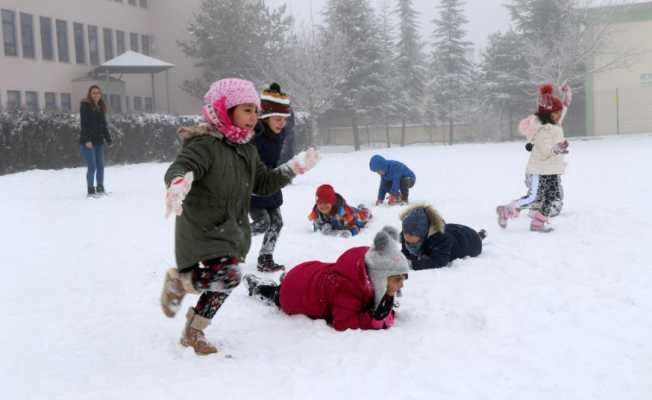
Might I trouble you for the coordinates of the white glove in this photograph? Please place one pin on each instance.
(179, 188)
(304, 161)
(567, 94)
(345, 234)
(326, 229)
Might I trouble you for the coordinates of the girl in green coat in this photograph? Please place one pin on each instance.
(209, 187)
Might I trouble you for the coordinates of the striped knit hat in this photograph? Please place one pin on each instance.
(274, 103)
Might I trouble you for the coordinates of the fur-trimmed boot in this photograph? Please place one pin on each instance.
(175, 287)
(193, 334)
(505, 213)
(540, 223)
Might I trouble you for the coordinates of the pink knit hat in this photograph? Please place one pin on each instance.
(221, 97)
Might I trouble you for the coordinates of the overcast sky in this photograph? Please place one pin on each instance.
(485, 16)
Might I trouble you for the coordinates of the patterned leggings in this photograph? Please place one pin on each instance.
(549, 192)
(270, 222)
(216, 279)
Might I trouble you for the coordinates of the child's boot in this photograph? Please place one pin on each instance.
(540, 223)
(266, 264)
(505, 213)
(175, 287)
(253, 282)
(193, 334)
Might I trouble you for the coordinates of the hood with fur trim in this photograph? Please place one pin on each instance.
(437, 224)
(189, 132)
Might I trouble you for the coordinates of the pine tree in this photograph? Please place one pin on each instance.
(451, 69)
(410, 70)
(505, 84)
(389, 107)
(361, 89)
(235, 38)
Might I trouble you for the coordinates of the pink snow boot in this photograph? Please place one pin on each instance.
(505, 213)
(540, 223)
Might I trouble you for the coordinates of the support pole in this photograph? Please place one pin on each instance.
(153, 94)
(167, 89)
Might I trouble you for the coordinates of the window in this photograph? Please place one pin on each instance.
(66, 102)
(118, 1)
(13, 99)
(27, 35)
(80, 44)
(9, 33)
(116, 105)
(31, 101)
(127, 105)
(62, 41)
(149, 105)
(145, 40)
(143, 3)
(108, 43)
(138, 103)
(47, 49)
(132, 2)
(93, 45)
(120, 42)
(133, 41)
(50, 101)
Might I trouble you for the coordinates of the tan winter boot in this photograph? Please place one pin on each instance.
(193, 334)
(175, 287)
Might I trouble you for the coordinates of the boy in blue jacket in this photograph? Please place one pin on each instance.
(395, 178)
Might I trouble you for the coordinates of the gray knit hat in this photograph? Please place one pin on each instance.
(383, 260)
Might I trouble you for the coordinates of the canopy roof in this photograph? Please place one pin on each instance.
(132, 62)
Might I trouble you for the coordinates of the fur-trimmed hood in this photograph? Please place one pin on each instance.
(189, 132)
(437, 224)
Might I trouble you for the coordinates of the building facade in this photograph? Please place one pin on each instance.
(50, 47)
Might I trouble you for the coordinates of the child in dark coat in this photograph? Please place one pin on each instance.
(332, 216)
(395, 178)
(265, 211)
(355, 292)
(428, 242)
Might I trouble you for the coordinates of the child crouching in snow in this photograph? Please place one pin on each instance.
(355, 292)
(208, 189)
(428, 242)
(331, 215)
(546, 163)
(395, 178)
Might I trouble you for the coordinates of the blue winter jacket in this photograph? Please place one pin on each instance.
(394, 171)
(269, 147)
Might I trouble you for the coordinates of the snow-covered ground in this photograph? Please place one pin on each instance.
(566, 315)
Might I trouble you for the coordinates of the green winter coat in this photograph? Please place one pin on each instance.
(215, 221)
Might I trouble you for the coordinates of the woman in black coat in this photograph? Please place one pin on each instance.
(428, 242)
(94, 134)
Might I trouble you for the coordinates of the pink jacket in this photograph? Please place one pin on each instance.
(340, 292)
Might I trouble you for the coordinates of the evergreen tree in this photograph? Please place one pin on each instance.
(361, 89)
(505, 85)
(235, 38)
(410, 71)
(389, 108)
(451, 68)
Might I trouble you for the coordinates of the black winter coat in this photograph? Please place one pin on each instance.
(269, 147)
(93, 125)
(439, 249)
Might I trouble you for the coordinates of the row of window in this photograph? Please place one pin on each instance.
(64, 103)
(14, 101)
(142, 3)
(81, 34)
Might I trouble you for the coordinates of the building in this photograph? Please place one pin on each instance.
(619, 101)
(49, 48)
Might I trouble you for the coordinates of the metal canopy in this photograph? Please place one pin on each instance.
(132, 62)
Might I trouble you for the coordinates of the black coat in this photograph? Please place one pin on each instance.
(269, 147)
(439, 249)
(93, 124)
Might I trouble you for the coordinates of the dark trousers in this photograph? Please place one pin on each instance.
(271, 293)
(95, 164)
(215, 279)
(270, 222)
(405, 185)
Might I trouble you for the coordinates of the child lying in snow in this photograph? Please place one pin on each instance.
(332, 216)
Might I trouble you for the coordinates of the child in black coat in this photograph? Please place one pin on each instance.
(428, 242)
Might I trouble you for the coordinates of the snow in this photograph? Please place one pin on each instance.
(536, 316)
